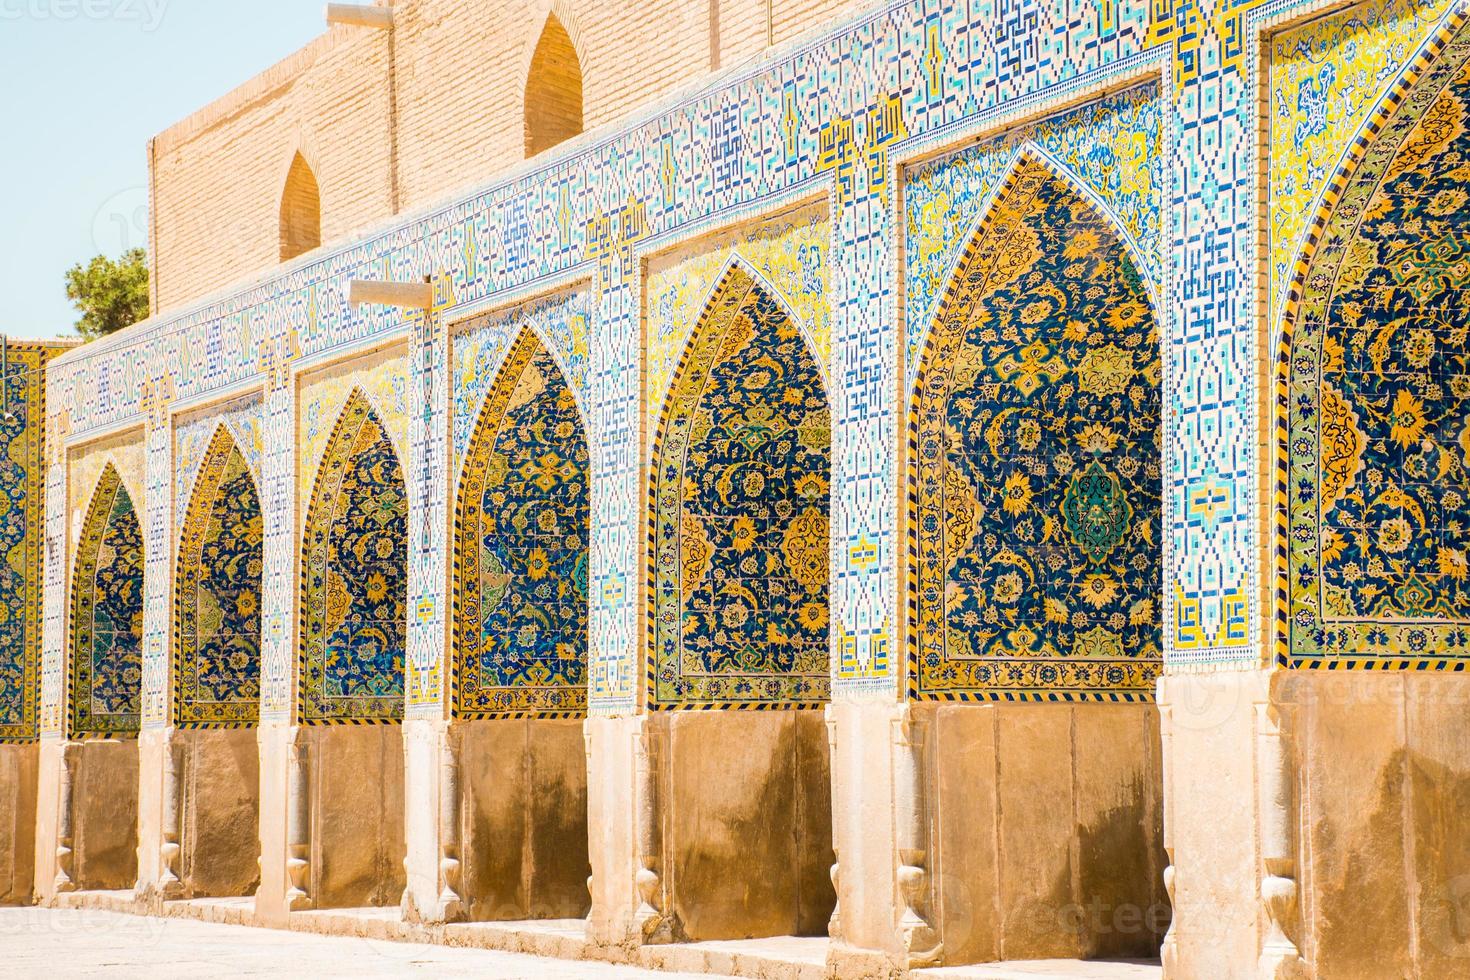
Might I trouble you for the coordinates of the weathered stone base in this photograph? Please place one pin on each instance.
(18, 822)
(745, 823)
(1382, 764)
(524, 814)
(220, 795)
(979, 832)
(1048, 830)
(356, 815)
(1319, 823)
(104, 801)
(1316, 826)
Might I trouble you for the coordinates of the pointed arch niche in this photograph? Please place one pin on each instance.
(740, 497)
(107, 616)
(301, 210)
(1034, 520)
(105, 686)
(738, 618)
(1036, 427)
(354, 582)
(553, 96)
(350, 685)
(1374, 418)
(522, 522)
(216, 677)
(217, 594)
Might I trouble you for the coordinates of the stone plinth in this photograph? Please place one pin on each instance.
(18, 769)
(524, 813)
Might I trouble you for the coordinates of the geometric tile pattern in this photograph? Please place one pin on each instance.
(1035, 518)
(427, 576)
(1378, 398)
(354, 581)
(383, 378)
(217, 612)
(106, 686)
(280, 584)
(22, 498)
(520, 547)
(739, 555)
(1208, 310)
(195, 434)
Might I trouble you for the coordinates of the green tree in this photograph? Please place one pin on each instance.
(111, 294)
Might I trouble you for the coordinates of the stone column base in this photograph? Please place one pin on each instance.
(18, 777)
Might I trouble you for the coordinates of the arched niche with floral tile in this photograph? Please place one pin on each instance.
(521, 546)
(738, 618)
(354, 576)
(1036, 557)
(1375, 419)
(740, 497)
(217, 593)
(520, 642)
(106, 674)
(1035, 466)
(350, 677)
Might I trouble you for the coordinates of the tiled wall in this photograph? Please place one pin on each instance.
(23, 501)
(1155, 114)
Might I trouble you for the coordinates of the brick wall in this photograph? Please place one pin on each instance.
(458, 84)
(218, 176)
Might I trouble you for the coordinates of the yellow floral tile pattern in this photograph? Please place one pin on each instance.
(789, 251)
(1326, 76)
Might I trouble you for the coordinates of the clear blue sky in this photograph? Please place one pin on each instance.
(83, 85)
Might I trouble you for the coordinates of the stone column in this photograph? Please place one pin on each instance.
(451, 833)
(67, 755)
(282, 770)
(879, 796)
(432, 820)
(1275, 815)
(57, 759)
(1169, 952)
(918, 938)
(623, 847)
(169, 884)
(1216, 744)
(834, 924)
(651, 917)
(158, 784)
(620, 803)
(298, 825)
(432, 828)
(879, 833)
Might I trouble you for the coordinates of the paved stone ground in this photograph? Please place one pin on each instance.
(64, 943)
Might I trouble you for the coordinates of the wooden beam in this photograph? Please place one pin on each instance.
(411, 295)
(360, 15)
